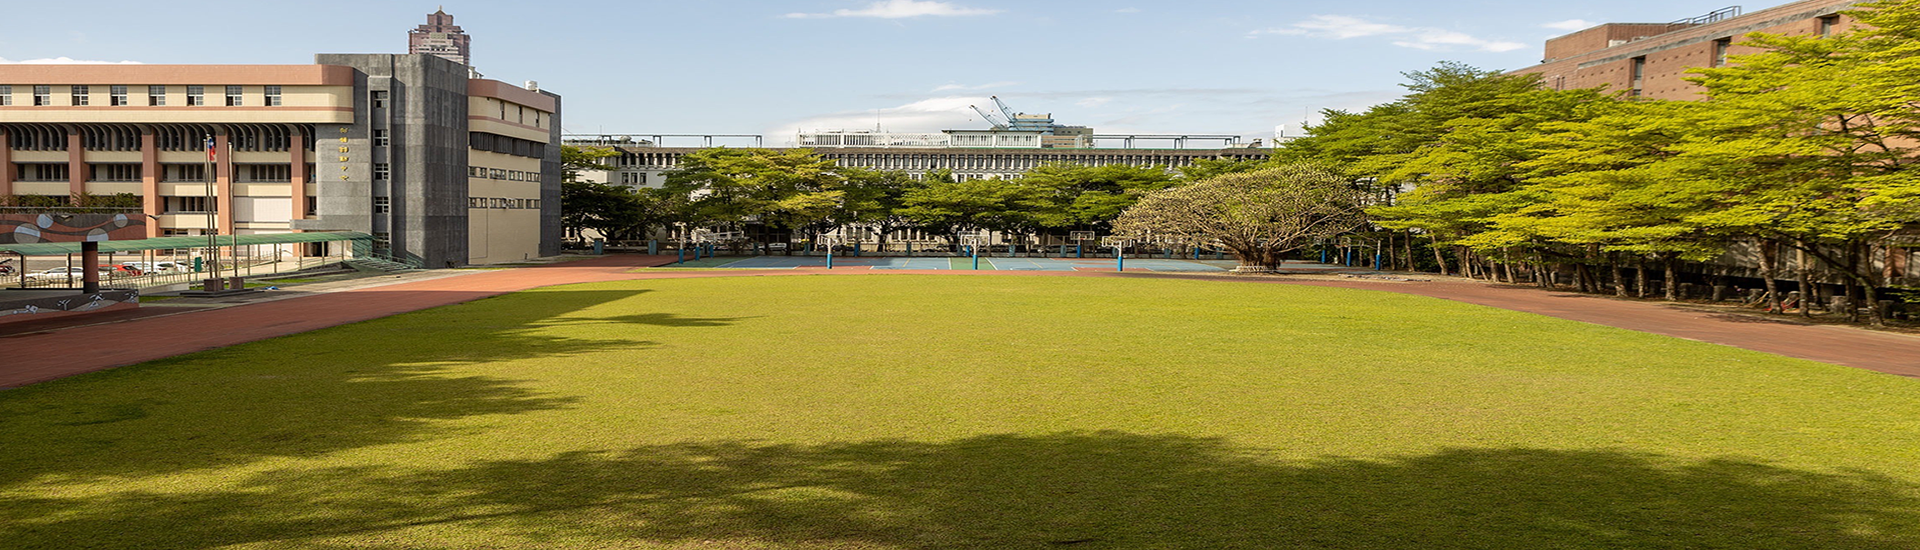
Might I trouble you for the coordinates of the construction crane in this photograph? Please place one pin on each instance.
(997, 125)
(1004, 110)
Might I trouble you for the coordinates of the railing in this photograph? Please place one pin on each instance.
(229, 267)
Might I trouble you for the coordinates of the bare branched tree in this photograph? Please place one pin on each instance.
(1259, 215)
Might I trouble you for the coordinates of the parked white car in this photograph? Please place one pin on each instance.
(57, 274)
(156, 267)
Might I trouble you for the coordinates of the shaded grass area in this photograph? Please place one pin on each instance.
(969, 412)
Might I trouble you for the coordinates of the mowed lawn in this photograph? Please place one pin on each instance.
(913, 411)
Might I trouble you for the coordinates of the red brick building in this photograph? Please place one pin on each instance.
(1651, 59)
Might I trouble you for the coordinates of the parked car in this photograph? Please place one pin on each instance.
(57, 274)
(154, 267)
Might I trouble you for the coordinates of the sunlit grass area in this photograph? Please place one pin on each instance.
(906, 411)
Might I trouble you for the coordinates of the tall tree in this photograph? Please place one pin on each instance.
(1260, 215)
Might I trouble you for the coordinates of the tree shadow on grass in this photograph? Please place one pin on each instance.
(1079, 490)
(378, 382)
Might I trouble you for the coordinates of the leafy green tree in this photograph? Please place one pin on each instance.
(1822, 129)
(876, 198)
(790, 189)
(947, 208)
(1259, 215)
(1078, 196)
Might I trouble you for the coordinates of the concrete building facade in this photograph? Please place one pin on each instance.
(1651, 60)
(646, 166)
(441, 168)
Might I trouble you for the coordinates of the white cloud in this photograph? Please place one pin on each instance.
(1570, 25)
(1093, 101)
(900, 9)
(63, 61)
(1127, 10)
(1343, 27)
(926, 115)
(963, 87)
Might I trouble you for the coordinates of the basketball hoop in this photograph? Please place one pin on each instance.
(1081, 236)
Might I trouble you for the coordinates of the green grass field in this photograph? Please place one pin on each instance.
(898, 411)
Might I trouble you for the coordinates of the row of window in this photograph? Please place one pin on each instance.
(245, 173)
(506, 145)
(519, 113)
(482, 172)
(503, 204)
(116, 137)
(81, 95)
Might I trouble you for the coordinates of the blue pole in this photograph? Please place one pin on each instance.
(683, 255)
(1323, 255)
(1078, 252)
(975, 251)
(653, 247)
(856, 249)
(829, 257)
(1349, 257)
(1119, 259)
(1376, 260)
(909, 249)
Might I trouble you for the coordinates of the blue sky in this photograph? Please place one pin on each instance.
(774, 67)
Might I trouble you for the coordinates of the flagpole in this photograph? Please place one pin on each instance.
(213, 223)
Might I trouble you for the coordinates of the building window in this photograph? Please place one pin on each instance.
(273, 96)
(380, 138)
(1828, 24)
(42, 172)
(157, 96)
(1720, 48)
(382, 171)
(196, 96)
(190, 204)
(382, 205)
(42, 95)
(382, 243)
(183, 172)
(275, 173)
(117, 96)
(233, 96)
(313, 206)
(80, 96)
(1639, 76)
(116, 172)
(6, 95)
(379, 99)
(503, 109)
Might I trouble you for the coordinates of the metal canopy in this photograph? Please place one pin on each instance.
(162, 243)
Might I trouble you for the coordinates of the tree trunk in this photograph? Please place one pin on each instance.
(1582, 280)
(1438, 258)
(1619, 275)
(1853, 285)
(1640, 277)
(1808, 295)
(1875, 315)
(1466, 261)
(1769, 272)
(1408, 243)
(1673, 278)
